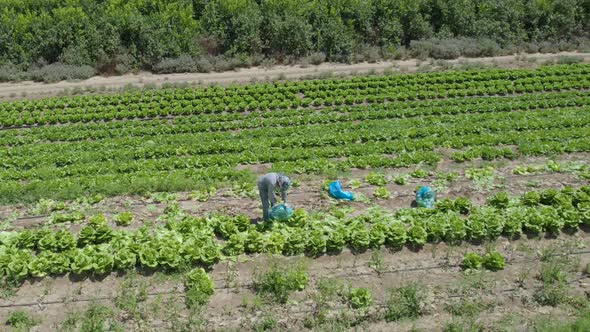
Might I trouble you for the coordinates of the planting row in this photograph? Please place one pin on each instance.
(564, 129)
(270, 120)
(53, 115)
(183, 241)
(287, 89)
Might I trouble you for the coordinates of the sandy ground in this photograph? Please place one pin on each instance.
(28, 89)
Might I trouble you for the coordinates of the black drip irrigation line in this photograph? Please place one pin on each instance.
(514, 289)
(414, 269)
(98, 298)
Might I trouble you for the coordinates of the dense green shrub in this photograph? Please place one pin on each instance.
(170, 36)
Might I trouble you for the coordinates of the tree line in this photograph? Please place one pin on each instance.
(117, 35)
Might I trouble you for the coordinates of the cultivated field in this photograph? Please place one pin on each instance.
(138, 211)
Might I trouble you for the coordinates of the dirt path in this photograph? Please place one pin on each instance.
(28, 89)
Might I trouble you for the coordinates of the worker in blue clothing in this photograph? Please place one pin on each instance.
(267, 184)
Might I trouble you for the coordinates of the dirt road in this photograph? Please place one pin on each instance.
(29, 90)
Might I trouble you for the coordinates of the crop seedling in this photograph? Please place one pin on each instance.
(123, 219)
(483, 178)
(162, 197)
(382, 193)
(400, 179)
(419, 173)
(359, 298)
(417, 235)
(472, 261)
(493, 261)
(198, 288)
(203, 195)
(376, 179)
(354, 183)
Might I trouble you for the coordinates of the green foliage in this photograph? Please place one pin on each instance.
(513, 221)
(396, 235)
(184, 241)
(86, 166)
(61, 72)
(198, 288)
(203, 195)
(550, 324)
(20, 319)
(416, 235)
(419, 173)
(295, 241)
(123, 219)
(254, 242)
(316, 243)
(462, 205)
(360, 238)
(376, 179)
(499, 200)
(405, 302)
(382, 193)
(400, 180)
(493, 261)
(354, 183)
(531, 198)
(472, 261)
(278, 282)
(359, 298)
(456, 231)
(106, 36)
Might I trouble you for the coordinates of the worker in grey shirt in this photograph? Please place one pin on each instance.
(267, 184)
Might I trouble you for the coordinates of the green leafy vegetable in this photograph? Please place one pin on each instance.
(376, 179)
(198, 288)
(472, 261)
(123, 218)
(493, 261)
(382, 193)
(359, 298)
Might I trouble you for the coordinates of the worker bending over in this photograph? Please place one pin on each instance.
(267, 184)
